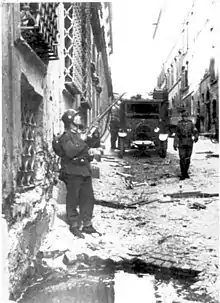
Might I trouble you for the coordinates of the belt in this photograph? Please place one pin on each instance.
(82, 159)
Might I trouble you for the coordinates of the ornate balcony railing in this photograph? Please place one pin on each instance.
(86, 54)
(39, 28)
(73, 46)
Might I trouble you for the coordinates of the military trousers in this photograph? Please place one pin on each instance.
(114, 137)
(79, 195)
(185, 153)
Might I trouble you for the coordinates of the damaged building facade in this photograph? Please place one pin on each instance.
(55, 56)
(190, 70)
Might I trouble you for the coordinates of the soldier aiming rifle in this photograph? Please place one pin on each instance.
(73, 148)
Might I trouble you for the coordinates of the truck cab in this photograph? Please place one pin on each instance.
(144, 124)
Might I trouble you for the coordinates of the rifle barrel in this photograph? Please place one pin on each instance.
(99, 117)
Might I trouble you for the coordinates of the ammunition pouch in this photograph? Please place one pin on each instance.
(62, 176)
(81, 160)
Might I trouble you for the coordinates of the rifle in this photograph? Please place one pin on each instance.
(100, 116)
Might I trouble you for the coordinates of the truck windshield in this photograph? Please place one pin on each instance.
(142, 108)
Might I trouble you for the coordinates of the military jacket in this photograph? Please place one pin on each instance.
(114, 125)
(184, 132)
(74, 147)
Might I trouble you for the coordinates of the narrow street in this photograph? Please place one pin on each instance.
(171, 239)
(78, 80)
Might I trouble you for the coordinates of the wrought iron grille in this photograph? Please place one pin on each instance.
(73, 44)
(39, 28)
(86, 54)
(26, 173)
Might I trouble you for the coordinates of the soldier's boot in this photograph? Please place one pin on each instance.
(76, 232)
(182, 168)
(187, 175)
(113, 140)
(187, 168)
(90, 230)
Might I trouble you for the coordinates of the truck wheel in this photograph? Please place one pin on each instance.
(121, 147)
(163, 149)
(214, 138)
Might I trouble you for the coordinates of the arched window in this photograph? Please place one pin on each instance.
(198, 106)
(207, 95)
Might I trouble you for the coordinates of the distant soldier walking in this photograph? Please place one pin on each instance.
(186, 134)
(114, 127)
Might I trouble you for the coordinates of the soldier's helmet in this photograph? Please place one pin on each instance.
(68, 116)
(185, 114)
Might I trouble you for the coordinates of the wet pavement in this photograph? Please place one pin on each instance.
(115, 287)
(177, 238)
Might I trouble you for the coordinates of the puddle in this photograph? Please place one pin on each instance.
(115, 287)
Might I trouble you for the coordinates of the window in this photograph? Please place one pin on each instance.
(212, 69)
(172, 75)
(186, 78)
(214, 109)
(142, 108)
(207, 96)
(30, 104)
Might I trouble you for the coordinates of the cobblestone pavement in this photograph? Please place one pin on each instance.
(167, 233)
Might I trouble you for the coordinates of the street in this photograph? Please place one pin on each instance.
(85, 83)
(177, 236)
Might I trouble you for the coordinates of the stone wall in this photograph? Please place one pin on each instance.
(11, 124)
(26, 235)
(105, 96)
(27, 82)
(30, 85)
(4, 287)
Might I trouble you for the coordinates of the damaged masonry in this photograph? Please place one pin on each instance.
(158, 236)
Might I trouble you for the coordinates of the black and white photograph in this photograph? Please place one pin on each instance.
(110, 151)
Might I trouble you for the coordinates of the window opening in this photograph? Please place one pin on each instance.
(30, 102)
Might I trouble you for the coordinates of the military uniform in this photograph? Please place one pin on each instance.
(77, 177)
(114, 127)
(184, 141)
(76, 173)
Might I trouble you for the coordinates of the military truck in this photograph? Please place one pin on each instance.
(144, 123)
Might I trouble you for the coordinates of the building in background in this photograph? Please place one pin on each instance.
(87, 46)
(190, 70)
(55, 57)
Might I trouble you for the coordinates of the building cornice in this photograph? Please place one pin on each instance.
(187, 95)
(30, 55)
(205, 78)
(174, 85)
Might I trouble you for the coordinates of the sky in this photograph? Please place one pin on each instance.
(137, 57)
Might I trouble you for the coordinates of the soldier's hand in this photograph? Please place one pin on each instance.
(196, 140)
(83, 136)
(175, 147)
